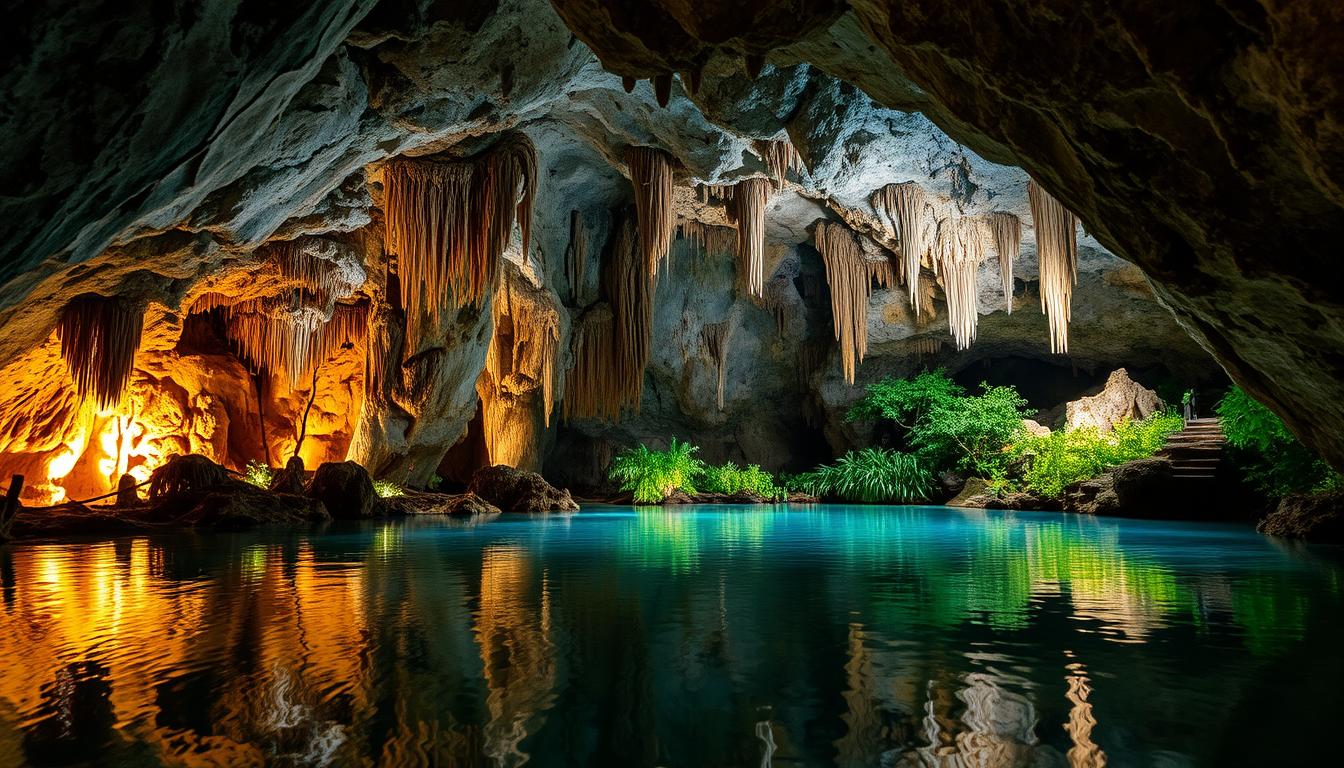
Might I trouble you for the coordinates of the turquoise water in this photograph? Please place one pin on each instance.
(848, 636)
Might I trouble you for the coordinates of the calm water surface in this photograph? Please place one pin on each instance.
(846, 636)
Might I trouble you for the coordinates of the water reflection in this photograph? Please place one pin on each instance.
(849, 637)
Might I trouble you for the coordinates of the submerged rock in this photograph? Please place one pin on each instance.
(346, 489)
(514, 491)
(428, 503)
(241, 505)
(1316, 516)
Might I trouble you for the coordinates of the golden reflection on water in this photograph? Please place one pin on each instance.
(239, 651)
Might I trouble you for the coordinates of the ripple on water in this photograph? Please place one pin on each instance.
(700, 636)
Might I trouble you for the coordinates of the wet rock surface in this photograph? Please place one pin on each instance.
(1316, 517)
(346, 489)
(515, 491)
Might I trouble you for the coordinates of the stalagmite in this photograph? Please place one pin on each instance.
(449, 222)
(905, 205)
(1057, 248)
(651, 175)
(848, 276)
(960, 249)
(715, 338)
(780, 157)
(99, 336)
(576, 256)
(748, 210)
(1006, 231)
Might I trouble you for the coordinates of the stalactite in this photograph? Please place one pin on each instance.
(926, 346)
(1006, 231)
(848, 276)
(1057, 249)
(715, 338)
(302, 262)
(780, 157)
(907, 208)
(612, 341)
(748, 210)
(960, 248)
(99, 336)
(590, 387)
(576, 256)
(778, 293)
(662, 88)
(448, 222)
(628, 287)
(291, 340)
(651, 175)
(884, 272)
(707, 238)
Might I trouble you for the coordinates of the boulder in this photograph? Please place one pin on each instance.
(1121, 398)
(1314, 516)
(346, 489)
(1140, 488)
(1033, 427)
(515, 491)
(974, 487)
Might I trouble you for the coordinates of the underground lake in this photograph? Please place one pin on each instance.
(798, 635)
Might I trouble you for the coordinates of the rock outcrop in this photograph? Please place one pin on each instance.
(1121, 399)
(1317, 517)
(515, 491)
(346, 490)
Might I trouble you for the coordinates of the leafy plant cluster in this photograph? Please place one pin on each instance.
(258, 474)
(872, 476)
(651, 476)
(944, 426)
(728, 478)
(387, 490)
(1272, 459)
(1050, 463)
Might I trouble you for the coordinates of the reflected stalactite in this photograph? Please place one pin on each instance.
(1084, 753)
(516, 650)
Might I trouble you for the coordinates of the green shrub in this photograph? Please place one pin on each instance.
(1272, 459)
(387, 490)
(653, 475)
(258, 474)
(873, 476)
(728, 478)
(1063, 457)
(947, 428)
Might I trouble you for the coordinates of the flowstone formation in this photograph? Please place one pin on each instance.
(436, 239)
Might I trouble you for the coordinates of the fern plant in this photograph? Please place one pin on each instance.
(728, 478)
(651, 476)
(871, 476)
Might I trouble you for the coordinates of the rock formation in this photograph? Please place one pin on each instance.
(293, 129)
(1120, 399)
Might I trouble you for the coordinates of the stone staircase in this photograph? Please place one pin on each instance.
(1196, 451)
